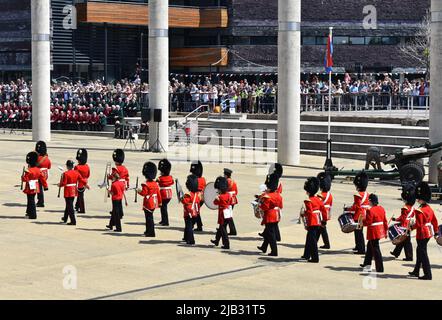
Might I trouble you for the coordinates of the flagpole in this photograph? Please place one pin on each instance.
(328, 162)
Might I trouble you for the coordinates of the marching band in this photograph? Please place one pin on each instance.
(221, 195)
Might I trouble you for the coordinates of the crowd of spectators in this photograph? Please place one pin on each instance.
(92, 105)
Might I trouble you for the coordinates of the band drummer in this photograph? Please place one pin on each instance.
(83, 168)
(359, 209)
(44, 163)
(327, 199)
(224, 201)
(165, 182)
(426, 224)
(404, 221)
(377, 228)
(196, 168)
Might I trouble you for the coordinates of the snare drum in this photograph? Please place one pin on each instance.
(347, 223)
(439, 238)
(397, 234)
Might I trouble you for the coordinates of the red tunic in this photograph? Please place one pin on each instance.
(314, 211)
(426, 222)
(44, 163)
(123, 173)
(191, 204)
(166, 183)
(376, 223)
(70, 181)
(223, 201)
(117, 190)
(360, 205)
(201, 184)
(279, 190)
(233, 190)
(152, 196)
(85, 173)
(407, 213)
(31, 177)
(327, 200)
(271, 205)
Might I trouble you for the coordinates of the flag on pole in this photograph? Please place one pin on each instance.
(329, 54)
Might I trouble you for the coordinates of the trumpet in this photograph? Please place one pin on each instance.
(257, 211)
(105, 183)
(136, 191)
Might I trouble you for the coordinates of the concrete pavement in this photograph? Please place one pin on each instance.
(43, 259)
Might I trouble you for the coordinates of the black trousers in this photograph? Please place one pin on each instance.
(422, 259)
(408, 249)
(324, 234)
(199, 223)
(270, 237)
(359, 241)
(41, 195)
(150, 226)
(311, 244)
(221, 233)
(374, 252)
(69, 210)
(31, 211)
(117, 214)
(164, 213)
(79, 205)
(232, 228)
(188, 231)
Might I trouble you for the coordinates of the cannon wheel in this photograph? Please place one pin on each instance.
(412, 172)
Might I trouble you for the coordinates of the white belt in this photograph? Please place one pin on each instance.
(318, 212)
(430, 226)
(122, 180)
(166, 188)
(365, 207)
(232, 193)
(376, 224)
(326, 206)
(71, 185)
(43, 169)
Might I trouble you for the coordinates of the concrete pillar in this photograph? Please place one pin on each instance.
(436, 84)
(289, 73)
(41, 69)
(159, 72)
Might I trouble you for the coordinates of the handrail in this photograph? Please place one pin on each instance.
(181, 122)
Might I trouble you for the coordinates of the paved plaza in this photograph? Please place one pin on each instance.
(43, 259)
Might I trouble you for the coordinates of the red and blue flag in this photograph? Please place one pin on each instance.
(329, 54)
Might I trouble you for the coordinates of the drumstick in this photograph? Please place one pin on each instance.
(390, 219)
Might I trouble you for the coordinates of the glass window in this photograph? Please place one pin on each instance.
(390, 40)
(373, 40)
(308, 40)
(340, 40)
(321, 40)
(263, 40)
(357, 40)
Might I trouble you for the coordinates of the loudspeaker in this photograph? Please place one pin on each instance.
(145, 114)
(157, 115)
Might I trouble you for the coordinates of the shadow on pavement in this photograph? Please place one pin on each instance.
(14, 204)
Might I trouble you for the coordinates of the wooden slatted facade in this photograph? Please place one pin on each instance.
(198, 57)
(138, 14)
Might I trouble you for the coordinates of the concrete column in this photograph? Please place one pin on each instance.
(41, 69)
(289, 73)
(159, 72)
(436, 84)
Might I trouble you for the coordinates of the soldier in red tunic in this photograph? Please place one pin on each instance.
(117, 190)
(377, 228)
(270, 202)
(118, 157)
(196, 168)
(165, 181)
(83, 168)
(152, 196)
(191, 205)
(70, 180)
(327, 199)
(426, 226)
(224, 203)
(314, 211)
(233, 190)
(34, 178)
(359, 208)
(44, 163)
(407, 213)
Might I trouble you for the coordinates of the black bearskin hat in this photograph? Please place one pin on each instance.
(373, 199)
(165, 166)
(197, 169)
(324, 181)
(192, 183)
(221, 184)
(423, 192)
(81, 156)
(41, 148)
(70, 164)
(118, 156)
(409, 193)
(228, 172)
(272, 181)
(278, 169)
(150, 170)
(31, 159)
(311, 185)
(361, 181)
